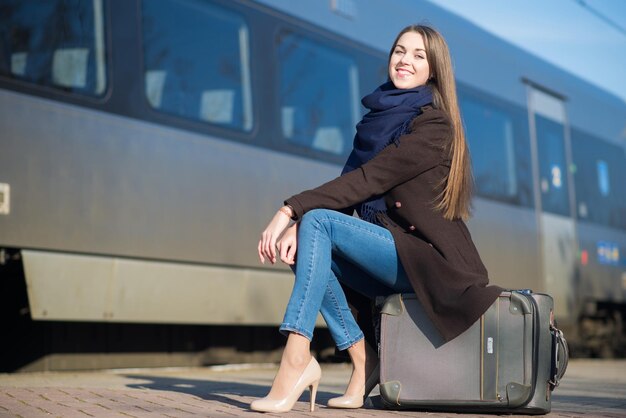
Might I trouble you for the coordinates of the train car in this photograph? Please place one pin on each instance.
(144, 145)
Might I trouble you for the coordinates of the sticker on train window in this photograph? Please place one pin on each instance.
(557, 180)
(608, 253)
(603, 177)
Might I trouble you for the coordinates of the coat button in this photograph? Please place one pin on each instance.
(412, 228)
(398, 204)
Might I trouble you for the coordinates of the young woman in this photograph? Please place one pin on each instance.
(409, 179)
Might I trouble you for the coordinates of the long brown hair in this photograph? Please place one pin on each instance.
(455, 198)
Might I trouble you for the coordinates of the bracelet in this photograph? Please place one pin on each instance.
(286, 210)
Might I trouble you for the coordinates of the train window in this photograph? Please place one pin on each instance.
(500, 156)
(196, 58)
(56, 43)
(601, 198)
(553, 181)
(318, 95)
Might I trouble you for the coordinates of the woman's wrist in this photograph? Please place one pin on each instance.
(287, 210)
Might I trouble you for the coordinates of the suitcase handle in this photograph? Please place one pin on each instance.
(560, 357)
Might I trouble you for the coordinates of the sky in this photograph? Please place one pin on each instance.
(564, 32)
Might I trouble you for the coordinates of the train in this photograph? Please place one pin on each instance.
(145, 144)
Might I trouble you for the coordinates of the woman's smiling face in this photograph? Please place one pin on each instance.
(408, 65)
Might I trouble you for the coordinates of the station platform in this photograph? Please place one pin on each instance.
(591, 388)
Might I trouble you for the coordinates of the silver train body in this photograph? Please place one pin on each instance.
(132, 200)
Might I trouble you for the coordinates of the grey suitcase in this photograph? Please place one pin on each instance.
(509, 361)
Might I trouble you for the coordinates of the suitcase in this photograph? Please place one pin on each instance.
(509, 361)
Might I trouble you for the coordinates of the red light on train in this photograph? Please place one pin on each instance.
(584, 257)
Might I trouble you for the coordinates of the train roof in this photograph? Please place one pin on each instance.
(481, 59)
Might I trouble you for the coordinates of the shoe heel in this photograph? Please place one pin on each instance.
(313, 389)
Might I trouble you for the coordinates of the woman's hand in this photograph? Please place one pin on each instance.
(288, 244)
(267, 244)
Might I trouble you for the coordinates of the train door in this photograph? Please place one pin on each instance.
(549, 132)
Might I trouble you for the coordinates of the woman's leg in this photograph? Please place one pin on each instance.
(363, 355)
(322, 235)
(316, 288)
(369, 266)
(329, 243)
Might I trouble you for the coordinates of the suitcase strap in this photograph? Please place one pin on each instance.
(560, 357)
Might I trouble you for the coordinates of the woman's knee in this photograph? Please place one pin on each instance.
(314, 218)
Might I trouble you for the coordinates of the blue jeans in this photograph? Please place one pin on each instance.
(334, 248)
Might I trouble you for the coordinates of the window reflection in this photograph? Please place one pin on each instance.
(601, 198)
(318, 95)
(497, 136)
(56, 43)
(552, 166)
(197, 62)
(492, 145)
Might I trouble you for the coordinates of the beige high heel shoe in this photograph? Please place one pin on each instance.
(356, 401)
(310, 378)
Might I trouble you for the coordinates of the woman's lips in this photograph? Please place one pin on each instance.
(403, 73)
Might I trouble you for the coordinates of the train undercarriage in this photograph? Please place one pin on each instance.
(54, 345)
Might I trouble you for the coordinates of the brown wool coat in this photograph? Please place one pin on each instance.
(438, 255)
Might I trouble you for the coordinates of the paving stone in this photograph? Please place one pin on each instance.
(590, 389)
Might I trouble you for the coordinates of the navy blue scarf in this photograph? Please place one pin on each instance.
(391, 111)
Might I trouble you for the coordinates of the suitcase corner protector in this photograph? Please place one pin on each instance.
(518, 394)
(390, 391)
(393, 305)
(520, 304)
